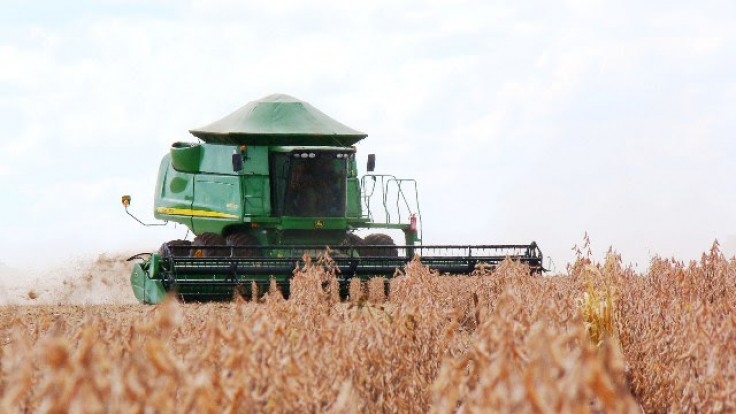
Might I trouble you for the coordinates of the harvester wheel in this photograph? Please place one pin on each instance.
(379, 239)
(240, 240)
(175, 248)
(352, 240)
(209, 239)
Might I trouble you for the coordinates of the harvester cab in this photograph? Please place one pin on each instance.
(275, 182)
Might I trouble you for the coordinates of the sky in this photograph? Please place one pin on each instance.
(521, 121)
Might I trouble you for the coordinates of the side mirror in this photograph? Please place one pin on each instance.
(371, 162)
(237, 162)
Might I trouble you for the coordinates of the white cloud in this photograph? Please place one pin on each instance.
(521, 121)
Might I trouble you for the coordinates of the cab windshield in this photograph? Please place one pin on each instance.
(311, 186)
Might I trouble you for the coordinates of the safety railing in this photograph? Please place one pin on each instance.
(390, 200)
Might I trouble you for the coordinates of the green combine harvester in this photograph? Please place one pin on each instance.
(276, 183)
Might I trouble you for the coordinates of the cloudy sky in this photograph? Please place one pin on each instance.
(521, 120)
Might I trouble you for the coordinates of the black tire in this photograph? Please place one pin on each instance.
(379, 239)
(352, 239)
(175, 248)
(206, 240)
(240, 240)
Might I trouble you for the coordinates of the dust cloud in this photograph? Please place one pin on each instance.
(100, 279)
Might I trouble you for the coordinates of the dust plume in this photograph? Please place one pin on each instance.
(101, 279)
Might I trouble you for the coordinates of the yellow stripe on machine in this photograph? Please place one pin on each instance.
(195, 213)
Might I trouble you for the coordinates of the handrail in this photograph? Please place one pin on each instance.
(418, 212)
(390, 186)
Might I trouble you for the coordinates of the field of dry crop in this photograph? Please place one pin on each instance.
(600, 338)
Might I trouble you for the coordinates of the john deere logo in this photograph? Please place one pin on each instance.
(318, 224)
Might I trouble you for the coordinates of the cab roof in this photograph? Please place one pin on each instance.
(278, 119)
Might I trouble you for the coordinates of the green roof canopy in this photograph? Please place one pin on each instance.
(278, 120)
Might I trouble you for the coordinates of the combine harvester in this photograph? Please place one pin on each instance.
(273, 184)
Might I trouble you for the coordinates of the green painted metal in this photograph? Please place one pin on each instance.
(277, 173)
(216, 197)
(276, 170)
(278, 120)
(186, 157)
(147, 286)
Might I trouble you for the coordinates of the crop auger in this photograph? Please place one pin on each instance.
(273, 184)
